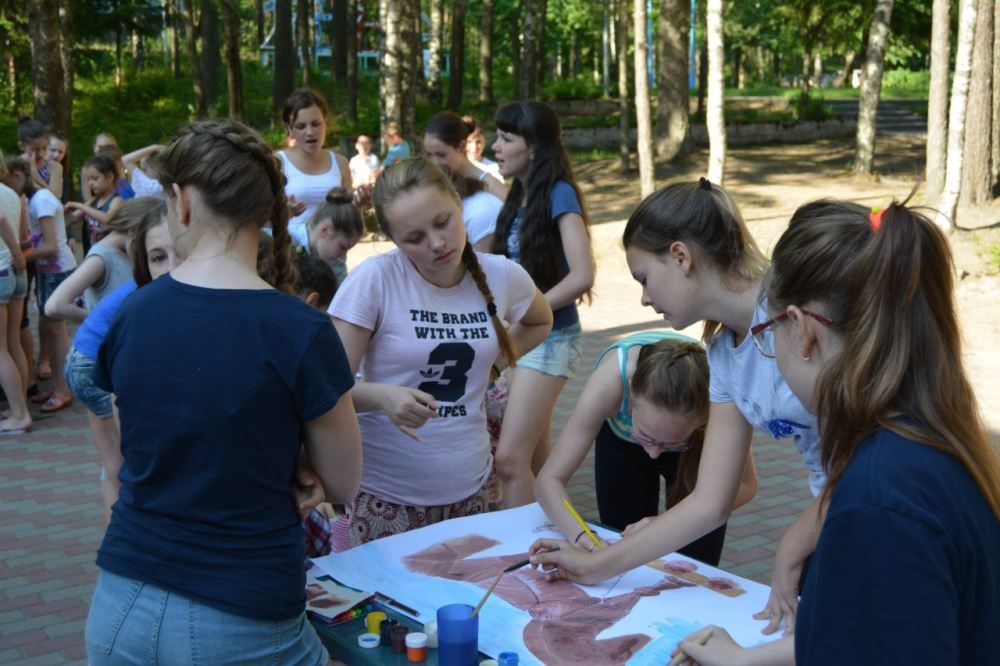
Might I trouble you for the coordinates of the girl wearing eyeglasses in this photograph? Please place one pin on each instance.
(689, 248)
(644, 408)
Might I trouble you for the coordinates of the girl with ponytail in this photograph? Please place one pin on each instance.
(864, 328)
(427, 326)
(220, 380)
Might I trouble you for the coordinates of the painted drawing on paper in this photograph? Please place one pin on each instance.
(635, 618)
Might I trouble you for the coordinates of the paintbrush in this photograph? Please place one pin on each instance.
(700, 639)
(513, 567)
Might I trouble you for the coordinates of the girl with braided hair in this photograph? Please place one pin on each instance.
(428, 325)
(646, 404)
(219, 379)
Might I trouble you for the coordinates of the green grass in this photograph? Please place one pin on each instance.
(988, 248)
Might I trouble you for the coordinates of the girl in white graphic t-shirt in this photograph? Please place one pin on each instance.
(427, 326)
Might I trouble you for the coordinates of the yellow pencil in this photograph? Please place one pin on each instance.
(576, 516)
(700, 639)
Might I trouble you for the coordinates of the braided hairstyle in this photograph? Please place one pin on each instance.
(239, 179)
(408, 174)
(672, 375)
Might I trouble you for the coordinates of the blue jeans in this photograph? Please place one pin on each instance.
(78, 371)
(558, 355)
(131, 622)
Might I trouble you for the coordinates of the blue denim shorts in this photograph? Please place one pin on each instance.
(131, 622)
(79, 369)
(21, 285)
(558, 355)
(45, 284)
(8, 285)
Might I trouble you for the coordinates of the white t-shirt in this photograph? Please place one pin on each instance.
(10, 206)
(480, 212)
(490, 167)
(145, 186)
(745, 377)
(308, 188)
(362, 168)
(45, 204)
(438, 340)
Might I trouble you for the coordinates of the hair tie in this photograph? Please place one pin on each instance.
(491, 309)
(875, 218)
(704, 183)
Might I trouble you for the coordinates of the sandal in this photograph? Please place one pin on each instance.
(42, 397)
(56, 403)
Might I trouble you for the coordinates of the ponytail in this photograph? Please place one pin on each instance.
(887, 284)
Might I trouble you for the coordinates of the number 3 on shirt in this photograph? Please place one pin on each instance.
(453, 360)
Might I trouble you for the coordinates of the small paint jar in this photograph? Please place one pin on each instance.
(385, 631)
(399, 639)
(489, 662)
(368, 641)
(373, 621)
(416, 647)
(431, 629)
(507, 659)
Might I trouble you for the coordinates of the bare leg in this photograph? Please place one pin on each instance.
(10, 380)
(28, 347)
(15, 310)
(107, 439)
(58, 344)
(526, 427)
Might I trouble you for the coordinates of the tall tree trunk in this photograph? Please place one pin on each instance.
(605, 49)
(623, 108)
(517, 41)
(737, 66)
(119, 74)
(977, 181)
(211, 63)
(391, 70)
(643, 123)
(715, 118)
(672, 108)
(871, 87)
(303, 40)
(702, 78)
(284, 53)
(67, 21)
(486, 55)
(411, 61)
(806, 81)
(339, 31)
(234, 69)
(51, 105)
(436, 46)
(174, 19)
(352, 61)
(995, 125)
(457, 78)
(948, 202)
(845, 74)
(937, 99)
(817, 73)
(529, 50)
(258, 11)
(540, 22)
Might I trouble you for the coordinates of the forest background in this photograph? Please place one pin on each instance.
(142, 68)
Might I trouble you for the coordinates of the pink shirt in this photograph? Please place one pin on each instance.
(439, 340)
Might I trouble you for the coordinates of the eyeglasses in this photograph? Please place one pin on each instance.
(764, 338)
(667, 447)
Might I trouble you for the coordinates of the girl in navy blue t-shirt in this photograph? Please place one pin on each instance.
(219, 379)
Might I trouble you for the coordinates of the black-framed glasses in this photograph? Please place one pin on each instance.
(763, 337)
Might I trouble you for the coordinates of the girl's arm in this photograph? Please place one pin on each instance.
(495, 187)
(599, 400)
(98, 215)
(531, 330)
(333, 447)
(55, 184)
(133, 159)
(797, 543)
(723, 460)
(748, 484)
(346, 181)
(721, 650)
(483, 244)
(407, 408)
(62, 302)
(576, 246)
(13, 244)
(49, 246)
(85, 192)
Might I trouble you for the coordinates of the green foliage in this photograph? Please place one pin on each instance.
(580, 87)
(811, 108)
(904, 80)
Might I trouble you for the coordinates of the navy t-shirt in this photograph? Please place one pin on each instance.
(562, 200)
(907, 568)
(213, 386)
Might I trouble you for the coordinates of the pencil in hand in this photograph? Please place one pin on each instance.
(700, 639)
(576, 516)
